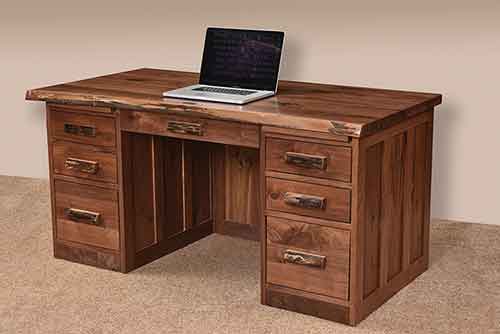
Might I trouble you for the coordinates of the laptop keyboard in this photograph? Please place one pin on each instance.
(224, 90)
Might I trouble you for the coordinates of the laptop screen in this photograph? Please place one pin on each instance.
(241, 58)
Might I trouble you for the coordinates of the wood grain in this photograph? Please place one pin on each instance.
(167, 194)
(100, 200)
(242, 186)
(337, 200)
(169, 189)
(337, 164)
(97, 257)
(215, 131)
(105, 159)
(199, 192)
(314, 305)
(393, 164)
(394, 211)
(371, 219)
(237, 191)
(342, 110)
(105, 127)
(283, 235)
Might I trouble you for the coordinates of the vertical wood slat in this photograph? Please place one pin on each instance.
(242, 204)
(142, 196)
(198, 182)
(187, 184)
(409, 193)
(126, 219)
(427, 191)
(372, 219)
(392, 208)
(416, 241)
(169, 186)
(356, 260)
(219, 182)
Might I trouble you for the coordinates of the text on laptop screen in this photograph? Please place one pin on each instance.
(241, 58)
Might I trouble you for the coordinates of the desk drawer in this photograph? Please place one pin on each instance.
(84, 161)
(308, 199)
(87, 215)
(83, 128)
(308, 257)
(186, 127)
(309, 159)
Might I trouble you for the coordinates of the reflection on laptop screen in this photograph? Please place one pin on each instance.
(241, 58)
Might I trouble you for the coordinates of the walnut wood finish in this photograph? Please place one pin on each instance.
(84, 161)
(350, 111)
(167, 196)
(103, 202)
(307, 303)
(82, 128)
(329, 276)
(308, 199)
(334, 181)
(195, 128)
(237, 192)
(92, 256)
(241, 188)
(392, 218)
(309, 158)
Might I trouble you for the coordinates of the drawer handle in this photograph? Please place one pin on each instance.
(194, 129)
(305, 259)
(84, 166)
(83, 216)
(306, 160)
(305, 201)
(79, 130)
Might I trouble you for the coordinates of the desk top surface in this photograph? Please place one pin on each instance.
(342, 110)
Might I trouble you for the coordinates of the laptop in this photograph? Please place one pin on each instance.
(238, 66)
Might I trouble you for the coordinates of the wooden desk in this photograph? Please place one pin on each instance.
(334, 181)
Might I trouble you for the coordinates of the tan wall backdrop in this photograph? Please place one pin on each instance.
(445, 46)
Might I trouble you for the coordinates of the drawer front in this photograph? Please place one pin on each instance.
(308, 257)
(87, 215)
(83, 128)
(308, 199)
(309, 159)
(84, 161)
(200, 129)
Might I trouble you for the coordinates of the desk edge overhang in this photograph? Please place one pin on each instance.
(335, 127)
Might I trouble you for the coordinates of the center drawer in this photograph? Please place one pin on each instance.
(193, 128)
(308, 257)
(86, 214)
(308, 199)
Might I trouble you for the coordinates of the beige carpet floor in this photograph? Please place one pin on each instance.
(212, 286)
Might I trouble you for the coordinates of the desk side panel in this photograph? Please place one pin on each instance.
(392, 217)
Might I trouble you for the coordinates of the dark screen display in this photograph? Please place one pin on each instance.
(241, 58)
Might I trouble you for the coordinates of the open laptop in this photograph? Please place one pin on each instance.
(238, 66)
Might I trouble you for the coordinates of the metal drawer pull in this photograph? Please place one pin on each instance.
(185, 128)
(305, 201)
(83, 216)
(306, 160)
(87, 131)
(305, 259)
(84, 166)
